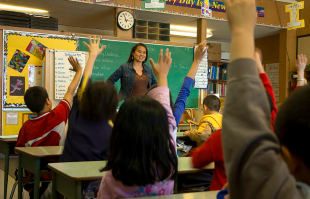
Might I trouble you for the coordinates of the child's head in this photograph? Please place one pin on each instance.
(211, 104)
(99, 101)
(141, 150)
(292, 127)
(36, 99)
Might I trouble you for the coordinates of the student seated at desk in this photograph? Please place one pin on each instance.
(211, 120)
(255, 159)
(48, 128)
(142, 161)
(90, 120)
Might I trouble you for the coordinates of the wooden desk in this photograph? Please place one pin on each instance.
(29, 158)
(7, 148)
(68, 176)
(183, 127)
(196, 195)
(180, 135)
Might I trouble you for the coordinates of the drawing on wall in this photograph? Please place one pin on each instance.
(19, 61)
(37, 49)
(17, 86)
(34, 75)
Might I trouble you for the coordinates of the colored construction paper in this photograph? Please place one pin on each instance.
(37, 49)
(19, 61)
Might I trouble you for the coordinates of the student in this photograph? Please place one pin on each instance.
(141, 162)
(48, 128)
(90, 120)
(211, 109)
(252, 152)
(212, 151)
(180, 103)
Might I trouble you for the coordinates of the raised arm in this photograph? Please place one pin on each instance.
(300, 65)
(253, 163)
(77, 68)
(180, 103)
(161, 93)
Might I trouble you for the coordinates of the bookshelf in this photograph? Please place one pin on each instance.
(152, 30)
(217, 78)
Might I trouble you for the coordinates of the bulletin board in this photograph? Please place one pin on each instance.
(22, 51)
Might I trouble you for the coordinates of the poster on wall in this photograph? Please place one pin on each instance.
(37, 49)
(34, 75)
(19, 61)
(17, 87)
(272, 71)
(11, 118)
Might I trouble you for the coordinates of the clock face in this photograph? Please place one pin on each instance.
(125, 20)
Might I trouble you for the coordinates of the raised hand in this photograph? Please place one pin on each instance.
(76, 66)
(258, 59)
(200, 51)
(301, 63)
(93, 46)
(241, 22)
(161, 69)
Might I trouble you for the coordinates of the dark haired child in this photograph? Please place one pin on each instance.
(252, 153)
(211, 109)
(142, 161)
(48, 128)
(90, 120)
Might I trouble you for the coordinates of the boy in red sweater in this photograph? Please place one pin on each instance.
(212, 151)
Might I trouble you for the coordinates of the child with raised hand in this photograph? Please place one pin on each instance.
(90, 120)
(142, 161)
(252, 152)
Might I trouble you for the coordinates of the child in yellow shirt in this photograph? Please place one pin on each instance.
(209, 123)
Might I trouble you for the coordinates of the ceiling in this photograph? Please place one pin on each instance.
(94, 16)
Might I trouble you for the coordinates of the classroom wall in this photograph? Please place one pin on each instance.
(65, 28)
(304, 14)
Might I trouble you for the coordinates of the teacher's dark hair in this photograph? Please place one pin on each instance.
(141, 150)
(134, 48)
(99, 102)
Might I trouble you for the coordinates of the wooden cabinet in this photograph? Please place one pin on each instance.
(152, 30)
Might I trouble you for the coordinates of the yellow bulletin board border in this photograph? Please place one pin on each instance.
(6, 58)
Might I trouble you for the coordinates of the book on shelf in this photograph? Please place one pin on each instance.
(219, 88)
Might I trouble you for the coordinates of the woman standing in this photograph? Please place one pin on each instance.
(136, 76)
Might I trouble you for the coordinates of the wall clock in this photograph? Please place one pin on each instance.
(125, 20)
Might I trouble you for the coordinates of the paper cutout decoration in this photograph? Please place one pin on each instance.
(34, 75)
(17, 86)
(19, 61)
(293, 9)
(37, 49)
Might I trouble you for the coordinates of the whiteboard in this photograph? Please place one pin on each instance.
(62, 75)
(272, 71)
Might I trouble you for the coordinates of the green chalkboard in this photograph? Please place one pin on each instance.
(117, 53)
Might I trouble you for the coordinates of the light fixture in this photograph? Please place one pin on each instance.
(186, 31)
(22, 9)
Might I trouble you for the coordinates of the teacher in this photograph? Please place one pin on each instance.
(136, 76)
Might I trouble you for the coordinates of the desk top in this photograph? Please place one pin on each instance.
(180, 135)
(41, 152)
(9, 140)
(195, 195)
(80, 171)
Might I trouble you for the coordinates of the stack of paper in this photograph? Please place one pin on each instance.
(201, 78)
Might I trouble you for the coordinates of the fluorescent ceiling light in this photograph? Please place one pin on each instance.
(186, 31)
(18, 8)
